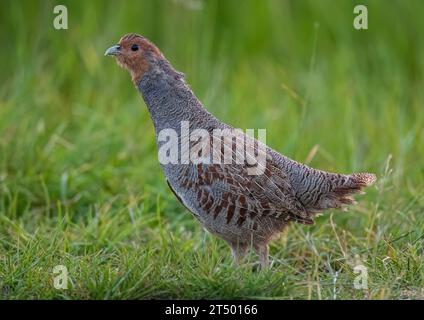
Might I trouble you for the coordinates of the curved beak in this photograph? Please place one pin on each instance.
(113, 51)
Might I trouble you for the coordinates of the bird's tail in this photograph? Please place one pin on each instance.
(342, 188)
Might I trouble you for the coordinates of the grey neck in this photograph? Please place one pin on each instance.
(169, 99)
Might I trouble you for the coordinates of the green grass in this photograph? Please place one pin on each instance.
(80, 184)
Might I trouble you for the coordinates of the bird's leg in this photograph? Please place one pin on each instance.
(263, 252)
(238, 251)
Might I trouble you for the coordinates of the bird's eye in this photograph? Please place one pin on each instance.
(134, 47)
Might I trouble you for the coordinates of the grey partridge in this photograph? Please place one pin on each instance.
(243, 202)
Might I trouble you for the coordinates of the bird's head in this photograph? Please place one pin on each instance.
(136, 54)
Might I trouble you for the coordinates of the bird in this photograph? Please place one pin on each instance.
(245, 209)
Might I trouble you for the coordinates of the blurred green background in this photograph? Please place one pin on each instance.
(79, 176)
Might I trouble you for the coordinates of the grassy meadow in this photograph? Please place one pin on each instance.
(80, 184)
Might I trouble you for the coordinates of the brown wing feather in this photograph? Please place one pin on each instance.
(230, 188)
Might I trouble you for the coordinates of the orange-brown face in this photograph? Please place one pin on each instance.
(134, 53)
